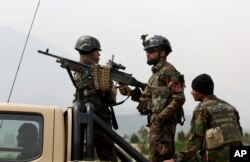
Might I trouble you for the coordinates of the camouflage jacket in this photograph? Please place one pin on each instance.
(86, 93)
(164, 93)
(204, 119)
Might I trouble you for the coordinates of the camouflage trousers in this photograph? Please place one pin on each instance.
(220, 154)
(198, 158)
(104, 146)
(161, 142)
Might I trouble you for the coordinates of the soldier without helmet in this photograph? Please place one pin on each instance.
(215, 126)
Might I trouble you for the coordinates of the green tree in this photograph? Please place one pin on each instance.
(181, 141)
(134, 138)
(181, 136)
(143, 142)
(246, 139)
(143, 133)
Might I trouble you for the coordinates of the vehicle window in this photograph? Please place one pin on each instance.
(20, 136)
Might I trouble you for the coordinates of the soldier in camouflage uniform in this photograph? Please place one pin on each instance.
(215, 126)
(88, 48)
(162, 99)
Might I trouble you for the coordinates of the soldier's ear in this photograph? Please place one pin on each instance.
(162, 54)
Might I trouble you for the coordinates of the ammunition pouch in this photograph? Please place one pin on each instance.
(214, 138)
(224, 126)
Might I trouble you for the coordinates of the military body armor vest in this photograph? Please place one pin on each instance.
(225, 118)
(158, 90)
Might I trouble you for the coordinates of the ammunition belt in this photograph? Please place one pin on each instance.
(101, 77)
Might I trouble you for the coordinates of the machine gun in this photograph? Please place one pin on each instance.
(114, 70)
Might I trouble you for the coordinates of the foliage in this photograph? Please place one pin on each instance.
(134, 138)
(143, 134)
(143, 143)
(141, 139)
(181, 136)
(246, 139)
(179, 145)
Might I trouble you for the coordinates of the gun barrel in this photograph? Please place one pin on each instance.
(115, 74)
(49, 54)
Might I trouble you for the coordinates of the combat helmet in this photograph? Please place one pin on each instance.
(87, 44)
(157, 41)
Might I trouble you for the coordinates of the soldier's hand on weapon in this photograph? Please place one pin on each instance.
(125, 90)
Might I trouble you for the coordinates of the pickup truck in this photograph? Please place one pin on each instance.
(40, 133)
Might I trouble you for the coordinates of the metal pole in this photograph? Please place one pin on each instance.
(77, 134)
(89, 133)
(119, 140)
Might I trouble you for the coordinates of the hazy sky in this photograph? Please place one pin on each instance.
(207, 36)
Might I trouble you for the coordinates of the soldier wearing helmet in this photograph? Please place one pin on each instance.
(161, 100)
(88, 48)
(157, 43)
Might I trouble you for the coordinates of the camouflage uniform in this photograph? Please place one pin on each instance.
(163, 97)
(211, 113)
(103, 144)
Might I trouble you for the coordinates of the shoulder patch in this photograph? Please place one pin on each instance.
(175, 86)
